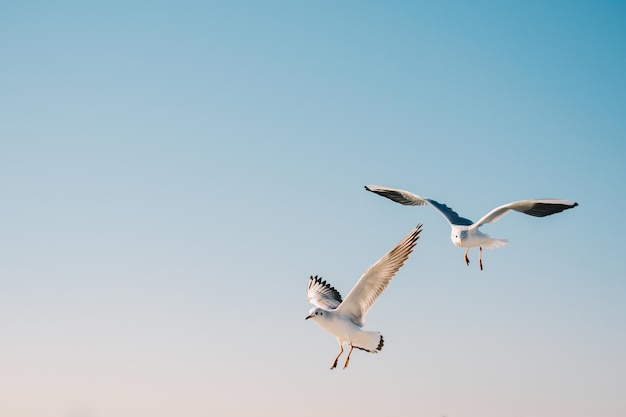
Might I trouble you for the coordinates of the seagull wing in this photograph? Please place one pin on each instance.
(537, 208)
(451, 216)
(321, 294)
(409, 199)
(376, 278)
(399, 196)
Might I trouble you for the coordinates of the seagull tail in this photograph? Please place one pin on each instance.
(369, 341)
(494, 243)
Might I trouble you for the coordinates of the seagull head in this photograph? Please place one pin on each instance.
(458, 236)
(315, 313)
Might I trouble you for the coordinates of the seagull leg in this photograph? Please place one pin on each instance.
(334, 365)
(480, 258)
(466, 258)
(345, 365)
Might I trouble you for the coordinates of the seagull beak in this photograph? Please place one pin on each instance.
(308, 317)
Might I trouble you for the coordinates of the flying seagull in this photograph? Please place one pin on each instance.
(465, 233)
(344, 318)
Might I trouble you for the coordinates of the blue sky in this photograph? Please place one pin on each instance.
(172, 174)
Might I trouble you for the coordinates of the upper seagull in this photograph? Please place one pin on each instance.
(344, 319)
(464, 232)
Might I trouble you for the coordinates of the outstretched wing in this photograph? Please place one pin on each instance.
(537, 208)
(451, 216)
(409, 199)
(321, 294)
(376, 278)
(399, 196)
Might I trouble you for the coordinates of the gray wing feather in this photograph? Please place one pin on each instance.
(399, 196)
(451, 216)
(409, 199)
(376, 278)
(537, 208)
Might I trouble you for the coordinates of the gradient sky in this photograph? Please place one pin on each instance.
(171, 173)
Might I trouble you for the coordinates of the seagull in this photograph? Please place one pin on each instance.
(344, 318)
(465, 233)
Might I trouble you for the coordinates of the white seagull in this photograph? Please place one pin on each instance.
(344, 319)
(464, 232)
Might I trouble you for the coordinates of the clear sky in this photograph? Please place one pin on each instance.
(171, 173)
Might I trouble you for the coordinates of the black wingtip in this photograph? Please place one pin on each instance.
(541, 209)
(416, 232)
(317, 280)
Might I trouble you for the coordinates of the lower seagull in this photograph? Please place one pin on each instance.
(344, 318)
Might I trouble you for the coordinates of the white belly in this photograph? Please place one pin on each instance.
(343, 329)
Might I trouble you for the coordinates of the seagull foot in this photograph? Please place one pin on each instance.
(333, 366)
